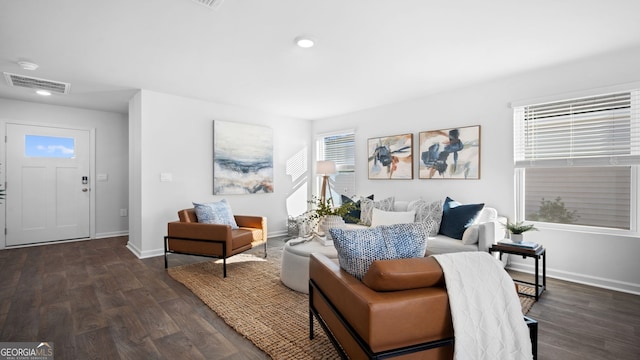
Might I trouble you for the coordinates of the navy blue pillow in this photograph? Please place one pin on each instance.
(353, 217)
(456, 218)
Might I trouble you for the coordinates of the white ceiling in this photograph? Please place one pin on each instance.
(368, 52)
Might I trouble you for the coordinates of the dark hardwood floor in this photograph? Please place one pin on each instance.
(579, 322)
(95, 300)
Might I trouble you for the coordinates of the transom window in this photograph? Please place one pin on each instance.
(49, 147)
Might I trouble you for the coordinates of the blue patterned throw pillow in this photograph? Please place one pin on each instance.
(358, 248)
(215, 213)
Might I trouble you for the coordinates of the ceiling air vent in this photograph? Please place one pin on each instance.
(211, 4)
(36, 83)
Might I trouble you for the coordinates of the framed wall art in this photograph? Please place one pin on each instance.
(450, 153)
(390, 157)
(242, 158)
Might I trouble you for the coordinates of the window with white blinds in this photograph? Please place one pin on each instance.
(576, 160)
(340, 148)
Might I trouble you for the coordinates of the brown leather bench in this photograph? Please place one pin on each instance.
(400, 308)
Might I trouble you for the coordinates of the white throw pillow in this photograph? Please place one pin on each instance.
(381, 217)
(471, 235)
(486, 214)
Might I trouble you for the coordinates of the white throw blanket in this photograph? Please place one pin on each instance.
(485, 308)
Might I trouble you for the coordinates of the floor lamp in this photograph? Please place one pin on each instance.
(325, 168)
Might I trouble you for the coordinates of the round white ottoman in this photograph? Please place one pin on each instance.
(294, 272)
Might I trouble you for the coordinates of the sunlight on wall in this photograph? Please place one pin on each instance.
(298, 169)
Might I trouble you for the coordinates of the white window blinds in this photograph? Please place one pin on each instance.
(598, 130)
(340, 149)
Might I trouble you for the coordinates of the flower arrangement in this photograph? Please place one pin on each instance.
(519, 227)
(326, 208)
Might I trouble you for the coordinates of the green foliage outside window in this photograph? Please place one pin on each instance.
(554, 212)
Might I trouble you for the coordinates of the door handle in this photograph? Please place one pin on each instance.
(85, 189)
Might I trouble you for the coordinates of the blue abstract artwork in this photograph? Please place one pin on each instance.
(450, 153)
(242, 158)
(390, 157)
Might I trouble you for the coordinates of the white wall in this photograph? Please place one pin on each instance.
(111, 155)
(607, 261)
(171, 134)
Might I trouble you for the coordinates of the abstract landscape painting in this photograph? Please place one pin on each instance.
(391, 157)
(450, 153)
(242, 158)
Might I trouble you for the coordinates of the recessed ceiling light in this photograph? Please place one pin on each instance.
(26, 65)
(43, 92)
(304, 42)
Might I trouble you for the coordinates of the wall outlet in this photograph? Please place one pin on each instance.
(123, 212)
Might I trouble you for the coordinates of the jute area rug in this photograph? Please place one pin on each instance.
(253, 301)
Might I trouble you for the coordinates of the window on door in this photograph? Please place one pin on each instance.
(49, 147)
(577, 162)
(340, 148)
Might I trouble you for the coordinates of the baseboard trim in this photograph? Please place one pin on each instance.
(55, 242)
(144, 254)
(277, 233)
(600, 282)
(152, 253)
(133, 249)
(112, 234)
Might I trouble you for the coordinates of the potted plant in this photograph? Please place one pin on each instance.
(325, 215)
(517, 230)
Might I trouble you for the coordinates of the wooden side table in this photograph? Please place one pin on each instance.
(537, 254)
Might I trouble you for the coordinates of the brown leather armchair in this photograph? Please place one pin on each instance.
(188, 236)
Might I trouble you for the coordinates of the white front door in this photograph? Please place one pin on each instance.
(48, 192)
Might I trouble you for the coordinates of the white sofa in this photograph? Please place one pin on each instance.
(488, 224)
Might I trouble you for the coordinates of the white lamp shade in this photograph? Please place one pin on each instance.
(326, 167)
